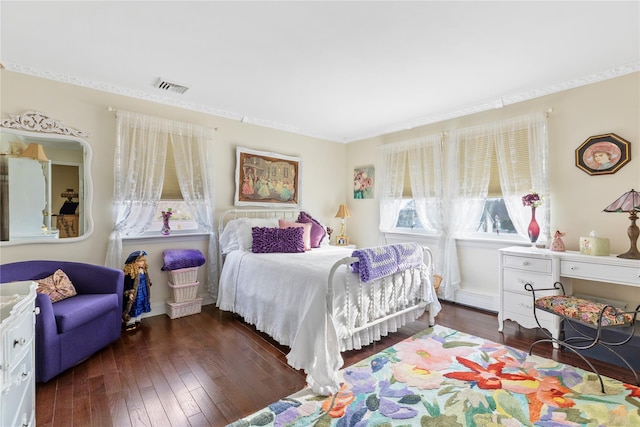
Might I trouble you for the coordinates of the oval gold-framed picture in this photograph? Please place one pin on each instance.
(603, 154)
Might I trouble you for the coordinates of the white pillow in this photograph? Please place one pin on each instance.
(237, 233)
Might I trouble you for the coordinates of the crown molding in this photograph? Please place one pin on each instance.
(147, 96)
(419, 121)
(504, 101)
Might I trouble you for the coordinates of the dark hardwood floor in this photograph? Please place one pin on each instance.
(211, 368)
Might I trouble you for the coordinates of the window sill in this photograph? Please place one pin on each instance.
(491, 240)
(483, 240)
(410, 232)
(175, 236)
(493, 237)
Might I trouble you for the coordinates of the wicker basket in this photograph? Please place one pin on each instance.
(181, 309)
(183, 276)
(437, 280)
(186, 292)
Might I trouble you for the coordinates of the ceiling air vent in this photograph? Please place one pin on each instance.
(164, 84)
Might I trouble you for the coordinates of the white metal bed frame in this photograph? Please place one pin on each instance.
(401, 277)
(292, 214)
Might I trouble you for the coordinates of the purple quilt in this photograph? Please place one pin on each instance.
(380, 261)
(175, 259)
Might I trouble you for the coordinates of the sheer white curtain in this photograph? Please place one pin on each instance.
(426, 161)
(467, 182)
(394, 158)
(522, 152)
(425, 171)
(141, 148)
(193, 152)
(450, 181)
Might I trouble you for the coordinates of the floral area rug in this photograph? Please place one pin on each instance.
(442, 377)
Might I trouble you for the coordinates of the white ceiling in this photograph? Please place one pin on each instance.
(341, 70)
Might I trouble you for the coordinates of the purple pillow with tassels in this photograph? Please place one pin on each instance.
(277, 240)
(317, 230)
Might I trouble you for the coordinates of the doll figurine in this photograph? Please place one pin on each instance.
(137, 290)
(557, 245)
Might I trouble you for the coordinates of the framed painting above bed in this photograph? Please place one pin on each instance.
(267, 179)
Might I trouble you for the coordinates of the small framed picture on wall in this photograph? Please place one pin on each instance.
(603, 154)
(363, 177)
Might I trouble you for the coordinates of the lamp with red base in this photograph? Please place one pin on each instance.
(629, 202)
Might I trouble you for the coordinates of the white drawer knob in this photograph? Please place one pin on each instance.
(572, 268)
(524, 263)
(21, 341)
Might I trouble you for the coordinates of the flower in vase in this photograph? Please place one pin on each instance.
(532, 199)
(167, 214)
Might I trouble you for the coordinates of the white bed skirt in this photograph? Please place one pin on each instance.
(290, 306)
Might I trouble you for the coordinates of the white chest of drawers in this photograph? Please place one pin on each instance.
(17, 374)
(542, 268)
(519, 266)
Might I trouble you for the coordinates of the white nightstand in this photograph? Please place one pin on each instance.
(346, 246)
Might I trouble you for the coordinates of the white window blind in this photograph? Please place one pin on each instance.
(520, 168)
(170, 184)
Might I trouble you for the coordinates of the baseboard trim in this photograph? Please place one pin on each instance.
(477, 300)
(160, 308)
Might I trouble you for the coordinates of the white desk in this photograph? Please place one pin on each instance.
(542, 268)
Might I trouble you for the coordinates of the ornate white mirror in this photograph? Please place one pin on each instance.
(45, 181)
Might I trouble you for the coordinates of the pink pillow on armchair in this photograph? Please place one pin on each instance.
(58, 286)
(306, 233)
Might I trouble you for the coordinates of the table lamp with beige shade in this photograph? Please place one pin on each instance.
(343, 212)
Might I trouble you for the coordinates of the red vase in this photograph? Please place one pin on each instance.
(534, 228)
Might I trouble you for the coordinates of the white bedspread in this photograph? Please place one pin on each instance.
(284, 295)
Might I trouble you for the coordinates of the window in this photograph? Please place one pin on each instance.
(181, 219)
(463, 182)
(141, 152)
(495, 216)
(408, 217)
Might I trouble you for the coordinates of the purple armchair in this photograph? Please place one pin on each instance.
(73, 329)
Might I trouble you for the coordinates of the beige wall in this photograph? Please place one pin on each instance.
(323, 164)
(577, 199)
